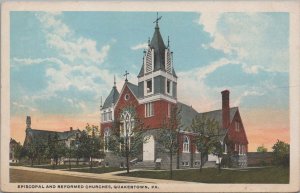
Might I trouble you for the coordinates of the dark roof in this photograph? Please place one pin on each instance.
(45, 133)
(112, 98)
(217, 114)
(42, 135)
(187, 114)
(134, 88)
(157, 43)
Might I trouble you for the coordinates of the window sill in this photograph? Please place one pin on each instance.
(149, 116)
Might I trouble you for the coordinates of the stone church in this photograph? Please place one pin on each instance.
(153, 96)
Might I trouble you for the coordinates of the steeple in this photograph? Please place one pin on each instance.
(114, 80)
(157, 76)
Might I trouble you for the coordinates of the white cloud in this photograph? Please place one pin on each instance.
(24, 107)
(193, 90)
(247, 93)
(245, 37)
(139, 46)
(21, 62)
(62, 38)
(78, 65)
(209, 20)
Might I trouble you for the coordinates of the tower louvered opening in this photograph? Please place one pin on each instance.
(168, 61)
(149, 61)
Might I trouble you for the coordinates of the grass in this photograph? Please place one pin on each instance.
(22, 176)
(99, 170)
(16, 164)
(269, 175)
(59, 167)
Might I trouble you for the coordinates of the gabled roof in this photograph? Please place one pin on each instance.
(188, 113)
(112, 98)
(134, 88)
(42, 135)
(217, 115)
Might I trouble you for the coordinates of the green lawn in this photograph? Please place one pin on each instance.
(59, 167)
(270, 175)
(98, 170)
(22, 176)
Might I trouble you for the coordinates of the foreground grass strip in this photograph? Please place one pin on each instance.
(58, 167)
(99, 170)
(22, 176)
(270, 175)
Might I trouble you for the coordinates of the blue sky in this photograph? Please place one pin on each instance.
(63, 62)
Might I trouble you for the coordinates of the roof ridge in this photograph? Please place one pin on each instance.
(217, 110)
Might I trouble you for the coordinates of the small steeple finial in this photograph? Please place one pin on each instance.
(101, 102)
(157, 19)
(126, 73)
(148, 41)
(168, 41)
(114, 80)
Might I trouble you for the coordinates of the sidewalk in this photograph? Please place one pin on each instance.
(105, 176)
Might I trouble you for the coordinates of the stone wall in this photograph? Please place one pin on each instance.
(259, 158)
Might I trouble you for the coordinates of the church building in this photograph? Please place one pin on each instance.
(153, 97)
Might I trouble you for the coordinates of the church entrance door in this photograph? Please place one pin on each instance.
(148, 149)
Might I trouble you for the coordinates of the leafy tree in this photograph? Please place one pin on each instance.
(35, 150)
(31, 152)
(127, 135)
(18, 151)
(218, 150)
(168, 135)
(281, 153)
(261, 149)
(89, 146)
(207, 137)
(56, 148)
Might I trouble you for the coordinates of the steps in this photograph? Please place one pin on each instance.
(144, 165)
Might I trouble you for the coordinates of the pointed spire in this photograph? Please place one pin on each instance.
(156, 21)
(101, 102)
(168, 41)
(148, 42)
(114, 80)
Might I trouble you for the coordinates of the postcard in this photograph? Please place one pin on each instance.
(150, 96)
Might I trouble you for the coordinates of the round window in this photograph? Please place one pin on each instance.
(126, 96)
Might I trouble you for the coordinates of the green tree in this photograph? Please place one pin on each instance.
(218, 150)
(168, 135)
(56, 148)
(281, 153)
(206, 140)
(18, 151)
(127, 135)
(95, 143)
(261, 148)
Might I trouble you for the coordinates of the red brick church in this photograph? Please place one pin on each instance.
(153, 97)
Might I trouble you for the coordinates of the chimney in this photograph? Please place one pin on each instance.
(28, 122)
(71, 128)
(225, 109)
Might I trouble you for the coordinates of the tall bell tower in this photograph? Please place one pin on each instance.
(157, 79)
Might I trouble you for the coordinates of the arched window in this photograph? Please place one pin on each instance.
(106, 140)
(186, 144)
